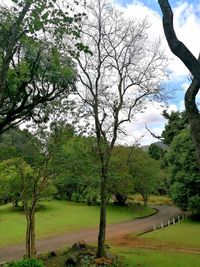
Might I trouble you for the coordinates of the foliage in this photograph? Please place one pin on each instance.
(76, 167)
(16, 143)
(18, 179)
(176, 122)
(74, 164)
(185, 173)
(120, 183)
(12, 173)
(26, 263)
(26, 185)
(33, 70)
(145, 172)
(156, 152)
(153, 199)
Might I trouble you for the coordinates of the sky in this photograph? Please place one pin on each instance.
(187, 26)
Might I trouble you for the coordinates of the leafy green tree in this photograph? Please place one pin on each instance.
(156, 152)
(17, 177)
(185, 177)
(176, 122)
(74, 164)
(33, 70)
(20, 143)
(120, 183)
(145, 173)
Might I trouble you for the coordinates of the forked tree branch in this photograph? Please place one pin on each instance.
(176, 46)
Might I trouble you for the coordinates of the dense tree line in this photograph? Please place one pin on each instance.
(74, 166)
(182, 162)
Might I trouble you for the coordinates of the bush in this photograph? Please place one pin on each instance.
(194, 205)
(26, 263)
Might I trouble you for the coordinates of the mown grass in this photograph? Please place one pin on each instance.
(155, 258)
(170, 247)
(186, 233)
(60, 216)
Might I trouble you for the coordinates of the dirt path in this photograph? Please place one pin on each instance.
(139, 242)
(114, 231)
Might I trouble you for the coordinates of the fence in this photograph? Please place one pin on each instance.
(170, 222)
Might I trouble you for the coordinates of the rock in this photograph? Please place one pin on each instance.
(103, 261)
(80, 245)
(71, 261)
(110, 256)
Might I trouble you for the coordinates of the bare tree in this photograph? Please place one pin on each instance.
(193, 64)
(123, 73)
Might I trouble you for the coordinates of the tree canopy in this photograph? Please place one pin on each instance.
(33, 68)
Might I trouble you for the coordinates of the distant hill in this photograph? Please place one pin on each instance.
(159, 144)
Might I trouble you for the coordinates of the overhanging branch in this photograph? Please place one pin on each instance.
(176, 46)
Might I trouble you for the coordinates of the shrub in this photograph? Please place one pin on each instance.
(26, 263)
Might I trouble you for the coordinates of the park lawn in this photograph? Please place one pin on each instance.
(134, 257)
(58, 217)
(184, 234)
(168, 247)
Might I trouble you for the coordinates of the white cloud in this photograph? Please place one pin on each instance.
(185, 86)
(187, 26)
(154, 120)
(186, 23)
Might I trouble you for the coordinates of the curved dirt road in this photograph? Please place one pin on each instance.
(118, 230)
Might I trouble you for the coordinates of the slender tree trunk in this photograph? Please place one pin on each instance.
(30, 234)
(145, 199)
(102, 224)
(28, 254)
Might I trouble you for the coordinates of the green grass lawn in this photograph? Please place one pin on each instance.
(186, 233)
(170, 247)
(156, 258)
(58, 217)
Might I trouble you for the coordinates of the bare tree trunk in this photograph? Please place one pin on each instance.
(145, 199)
(28, 252)
(32, 235)
(30, 230)
(193, 64)
(102, 224)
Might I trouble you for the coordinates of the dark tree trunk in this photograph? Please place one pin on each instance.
(15, 203)
(145, 199)
(28, 252)
(120, 199)
(193, 64)
(193, 115)
(102, 224)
